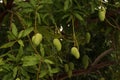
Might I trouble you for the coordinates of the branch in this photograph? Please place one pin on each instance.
(101, 56)
(84, 71)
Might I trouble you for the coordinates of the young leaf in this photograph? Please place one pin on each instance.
(48, 61)
(55, 70)
(78, 16)
(27, 31)
(21, 42)
(66, 5)
(43, 73)
(42, 51)
(30, 60)
(14, 29)
(15, 71)
(7, 45)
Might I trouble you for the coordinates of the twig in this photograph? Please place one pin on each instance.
(101, 56)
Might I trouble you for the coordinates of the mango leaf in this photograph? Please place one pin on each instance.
(43, 73)
(15, 69)
(25, 73)
(20, 53)
(21, 42)
(25, 32)
(17, 79)
(7, 45)
(66, 5)
(14, 29)
(11, 57)
(78, 16)
(1, 61)
(11, 36)
(8, 76)
(20, 34)
(42, 51)
(55, 70)
(48, 61)
(46, 1)
(30, 60)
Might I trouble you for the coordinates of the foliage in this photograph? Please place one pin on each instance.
(75, 23)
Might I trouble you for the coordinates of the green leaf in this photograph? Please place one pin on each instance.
(55, 70)
(21, 42)
(11, 36)
(20, 54)
(15, 71)
(43, 73)
(8, 76)
(66, 5)
(48, 61)
(1, 61)
(20, 34)
(78, 16)
(14, 29)
(7, 45)
(27, 31)
(17, 79)
(30, 60)
(42, 51)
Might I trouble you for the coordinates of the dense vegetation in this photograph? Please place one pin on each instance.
(60, 40)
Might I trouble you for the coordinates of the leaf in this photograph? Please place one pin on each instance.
(7, 45)
(17, 79)
(27, 31)
(66, 5)
(46, 1)
(30, 60)
(11, 36)
(1, 61)
(48, 61)
(20, 54)
(15, 71)
(42, 51)
(14, 29)
(21, 42)
(8, 76)
(20, 34)
(43, 73)
(78, 16)
(55, 70)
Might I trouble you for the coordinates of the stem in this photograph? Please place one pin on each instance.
(35, 23)
(38, 71)
(110, 23)
(74, 36)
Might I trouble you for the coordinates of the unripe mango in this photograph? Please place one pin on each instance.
(88, 36)
(71, 65)
(57, 44)
(36, 39)
(85, 61)
(66, 67)
(75, 52)
(102, 13)
(102, 78)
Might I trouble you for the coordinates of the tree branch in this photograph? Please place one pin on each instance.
(91, 69)
(101, 56)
